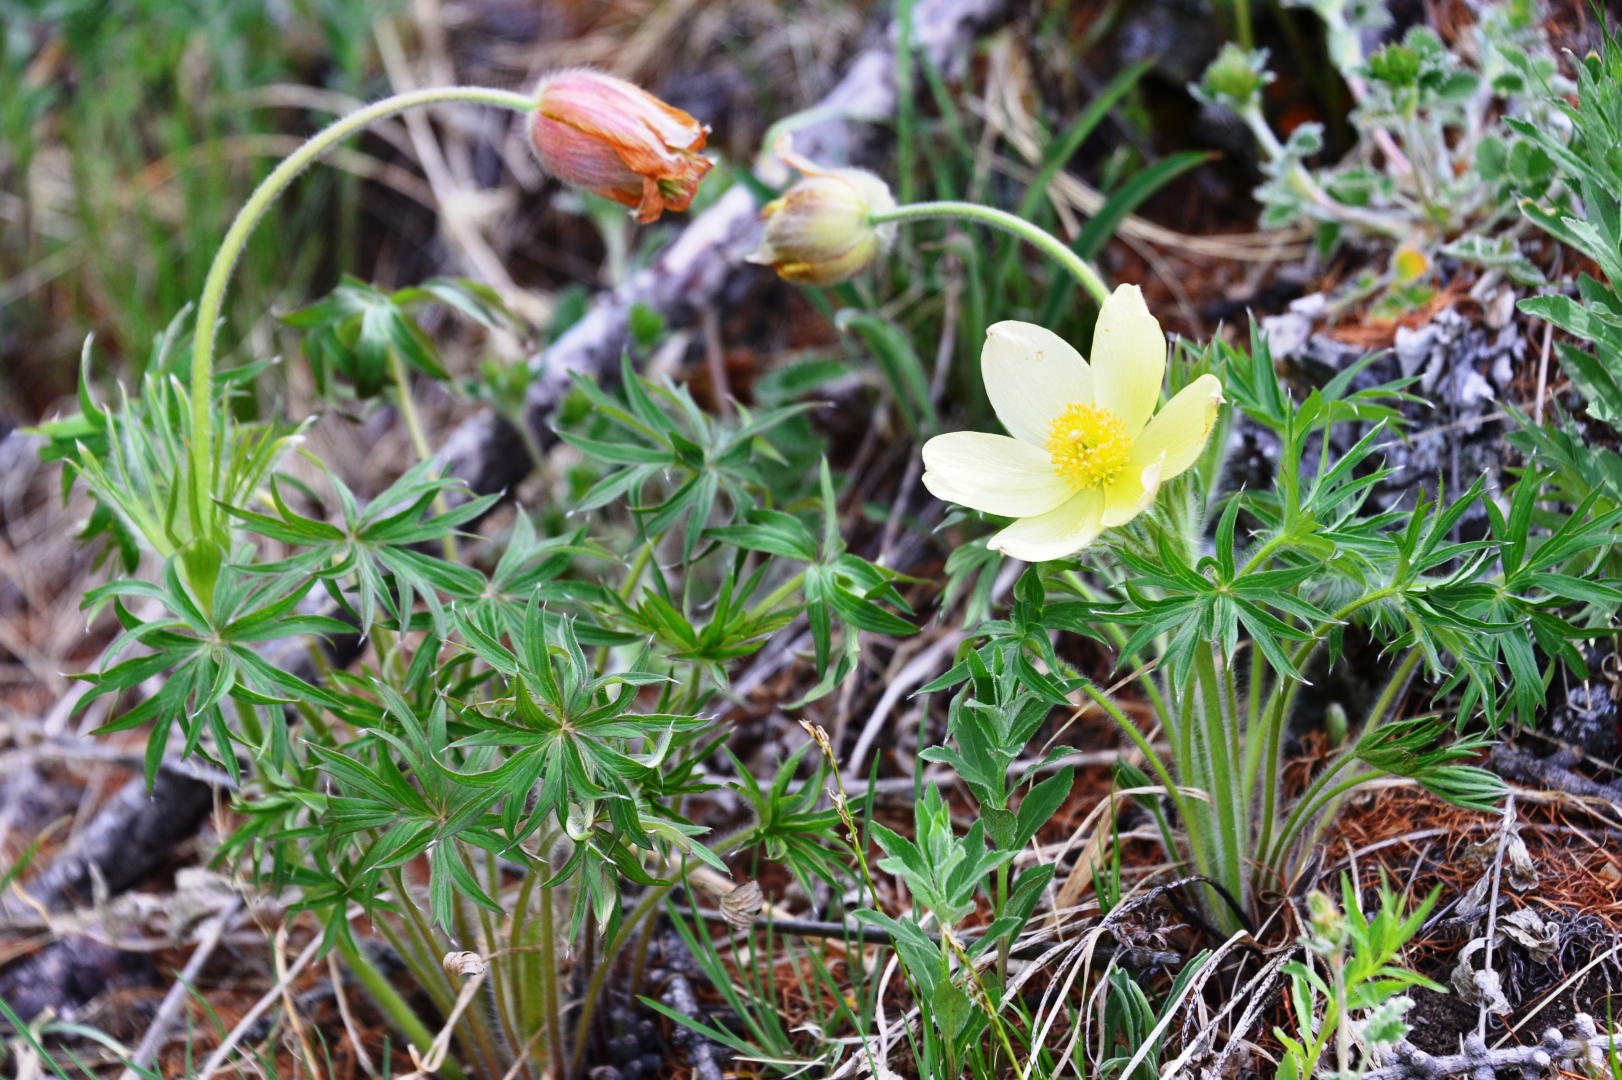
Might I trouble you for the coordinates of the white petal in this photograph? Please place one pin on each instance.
(1132, 492)
(992, 473)
(1178, 432)
(1055, 534)
(1031, 375)
(1129, 358)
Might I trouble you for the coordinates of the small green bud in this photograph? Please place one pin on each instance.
(1395, 65)
(1335, 723)
(1235, 77)
(1328, 925)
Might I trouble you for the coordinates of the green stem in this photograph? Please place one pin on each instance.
(419, 439)
(589, 1006)
(1222, 785)
(1001, 901)
(1326, 807)
(1253, 716)
(394, 1006)
(644, 908)
(1148, 751)
(1262, 554)
(634, 575)
(518, 936)
(904, 112)
(1393, 687)
(1304, 812)
(1283, 697)
(1002, 219)
(781, 593)
(236, 238)
(1241, 13)
(1146, 679)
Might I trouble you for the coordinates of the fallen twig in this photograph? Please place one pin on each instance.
(1554, 771)
(678, 995)
(1587, 1049)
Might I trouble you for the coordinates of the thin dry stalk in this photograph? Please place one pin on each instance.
(279, 953)
(158, 1032)
(219, 1056)
(362, 1058)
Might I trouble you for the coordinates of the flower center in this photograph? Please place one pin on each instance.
(1089, 445)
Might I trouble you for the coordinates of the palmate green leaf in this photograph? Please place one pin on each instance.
(371, 554)
(658, 434)
(206, 659)
(1409, 748)
(771, 531)
(570, 730)
(790, 826)
(351, 331)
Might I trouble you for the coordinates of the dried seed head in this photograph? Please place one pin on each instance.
(740, 906)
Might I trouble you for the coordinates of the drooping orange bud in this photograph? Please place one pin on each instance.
(818, 232)
(615, 139)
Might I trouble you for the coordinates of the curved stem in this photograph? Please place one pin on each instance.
(1002, 219)
(781, 593)
(225, 260)
(1263, 553)
(1305, 813)
(1397, 684)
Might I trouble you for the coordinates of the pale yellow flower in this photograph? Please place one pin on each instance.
(1088, 451)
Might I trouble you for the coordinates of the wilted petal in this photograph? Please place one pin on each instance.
(1178, 432)
(1031, 375)
(584, 161)
(992, 473)
(1055, 534)
(1129, 358)
(582, 116)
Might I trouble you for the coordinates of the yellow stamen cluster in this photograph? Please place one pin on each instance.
(1089, 445)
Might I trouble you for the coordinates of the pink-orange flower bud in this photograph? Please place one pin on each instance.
(615, 139)
(818, 232)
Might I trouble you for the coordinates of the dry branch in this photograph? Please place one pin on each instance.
(1587, 1050)
(1555, 771)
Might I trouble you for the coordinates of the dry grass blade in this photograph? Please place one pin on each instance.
(223, 1052)
(155, 1035)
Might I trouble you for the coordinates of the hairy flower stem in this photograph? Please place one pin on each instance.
(1278, 712)
(1153, 760)
(1318, 803)
(236, 238)
(1001, 219)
